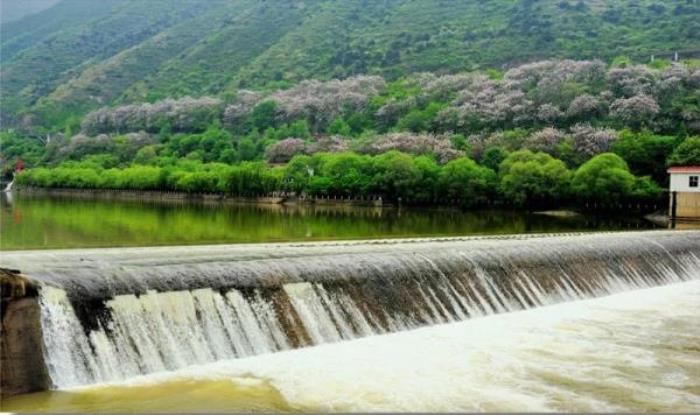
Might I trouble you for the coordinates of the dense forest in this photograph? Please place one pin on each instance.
(79, 55)
(525, 102)
(539, 134)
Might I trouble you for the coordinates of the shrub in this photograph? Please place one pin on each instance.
(465, 181)
(604, 178)
(533, 179)
(686, 154)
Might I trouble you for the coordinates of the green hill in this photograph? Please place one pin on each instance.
(78, 55)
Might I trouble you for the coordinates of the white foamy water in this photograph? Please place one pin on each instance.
(110, 315)
(638, 350)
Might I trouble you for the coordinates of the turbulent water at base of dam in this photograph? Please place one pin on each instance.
(121, 313)
(630, 352)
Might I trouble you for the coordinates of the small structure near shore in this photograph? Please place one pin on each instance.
(684, 193)
(22, 366)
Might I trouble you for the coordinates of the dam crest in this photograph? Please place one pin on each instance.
(111, 314)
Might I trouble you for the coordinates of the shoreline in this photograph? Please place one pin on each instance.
(214, 198)
(284, 199)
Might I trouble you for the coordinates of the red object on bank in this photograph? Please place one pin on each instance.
(19, 165)
(684, 169)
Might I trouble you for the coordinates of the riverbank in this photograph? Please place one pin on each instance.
(214, 198)
(291, 199)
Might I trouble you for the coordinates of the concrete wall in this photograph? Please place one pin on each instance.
(680, 181)
(22, 366)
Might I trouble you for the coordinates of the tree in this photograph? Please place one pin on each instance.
(321, 102)
(636, 111)
(604, 178)
(247, 150)
(465, 181)
(589, 141)
(418, 120)
(546, 140)
(533, 179)
(408, 142)
(213, 143)
(395, 175)
(14, 146)
(493, 156)
(427, 187)
(339, 127)
(584, 107)
(181, 115)
(298, 173)
(645, 153)
(686, 154)
(264, 115)
(349, 173)
(415, 121)
(283, 151)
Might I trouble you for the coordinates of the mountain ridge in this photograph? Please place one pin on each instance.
(76, 56)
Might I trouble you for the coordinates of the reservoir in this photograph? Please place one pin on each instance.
(408, 310)
(35, 222)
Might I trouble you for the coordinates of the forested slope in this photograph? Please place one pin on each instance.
(80, 54)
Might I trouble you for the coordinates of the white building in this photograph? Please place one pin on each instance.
(684, 194)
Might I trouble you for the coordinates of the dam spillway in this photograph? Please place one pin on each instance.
(110, 314)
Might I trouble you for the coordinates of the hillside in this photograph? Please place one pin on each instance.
(79, 55)
(11, 10)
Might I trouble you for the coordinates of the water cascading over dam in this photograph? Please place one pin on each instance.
(115, 313)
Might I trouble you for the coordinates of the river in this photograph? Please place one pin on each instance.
(34, 222)
(634, 351)
(571, 322)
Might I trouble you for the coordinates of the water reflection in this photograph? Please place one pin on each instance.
(33, 222)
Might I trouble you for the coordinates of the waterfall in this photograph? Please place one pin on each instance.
(116, 313)
(8, 188)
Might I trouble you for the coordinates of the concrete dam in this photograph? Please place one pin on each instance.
(82, 317)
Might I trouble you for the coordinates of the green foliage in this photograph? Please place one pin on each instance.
(131, 51)
(104, 161)
(459, 142)
(297, 129)
(15, 147)
(493, 156)
(146, 155)
(418, 120)
(645, 153)
(525, 179)
(607, 179)
(96, 53)
(339, 127)
(264, 115)
(396, 175)
(247, 150)
(348, 174)
(466, 182)
(532, 179)
(686, 154)
(212, 145)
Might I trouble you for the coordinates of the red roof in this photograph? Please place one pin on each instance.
(684, 169)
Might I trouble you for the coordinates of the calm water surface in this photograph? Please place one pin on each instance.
(33, 222)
